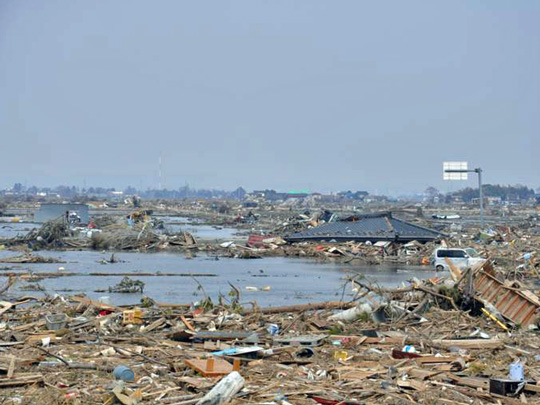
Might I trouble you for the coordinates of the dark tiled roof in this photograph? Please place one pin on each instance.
(369, 227)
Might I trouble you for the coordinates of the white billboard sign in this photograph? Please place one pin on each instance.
(450, 174)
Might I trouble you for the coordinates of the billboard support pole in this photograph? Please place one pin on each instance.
(461, 168)
(480, 195)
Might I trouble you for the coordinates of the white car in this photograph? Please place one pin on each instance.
(461, 258)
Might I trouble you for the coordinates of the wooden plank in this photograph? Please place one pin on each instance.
(470, 343)
(435, 359)
(21, 379)
(302, 307)
(187, 323)
(412, 384)
(23, 327)
(8, 344)
(213, 367)
(469, 381)
(154, 325)
(360, 374)
(38, 337)
(442, 367)
(422, 374)
(11, 368)
(532, 388)
(19, 362)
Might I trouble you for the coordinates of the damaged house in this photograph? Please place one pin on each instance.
(368, 227)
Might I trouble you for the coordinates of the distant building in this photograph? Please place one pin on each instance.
(494, 200)
(48, 212)
(297, 194)
(269, 195)
(488, 201)
(326, 198)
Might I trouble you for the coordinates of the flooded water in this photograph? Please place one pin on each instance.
(172, 224)
(207, 232)
(14, 229)
(291, 280)
(200, 231)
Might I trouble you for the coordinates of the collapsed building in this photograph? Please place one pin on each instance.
(368, 227)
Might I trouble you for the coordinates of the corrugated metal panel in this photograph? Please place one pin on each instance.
(512, 303)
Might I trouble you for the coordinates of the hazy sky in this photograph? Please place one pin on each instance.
(319, 95)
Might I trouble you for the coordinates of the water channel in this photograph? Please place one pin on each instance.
(291, 280)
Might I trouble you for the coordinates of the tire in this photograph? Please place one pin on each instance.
(439, 267)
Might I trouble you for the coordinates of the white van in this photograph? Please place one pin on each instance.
(461, 258)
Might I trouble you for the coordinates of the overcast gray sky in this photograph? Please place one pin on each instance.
(318, 95)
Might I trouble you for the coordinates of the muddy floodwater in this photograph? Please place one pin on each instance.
(291, 280)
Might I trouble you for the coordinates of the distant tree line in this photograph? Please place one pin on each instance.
(73, 193)
(506, 193)
(187, 192)
(84, 194)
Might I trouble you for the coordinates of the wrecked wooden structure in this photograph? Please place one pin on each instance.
(511, 300)
(367, 228)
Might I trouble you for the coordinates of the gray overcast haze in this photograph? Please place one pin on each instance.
(318, 95)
